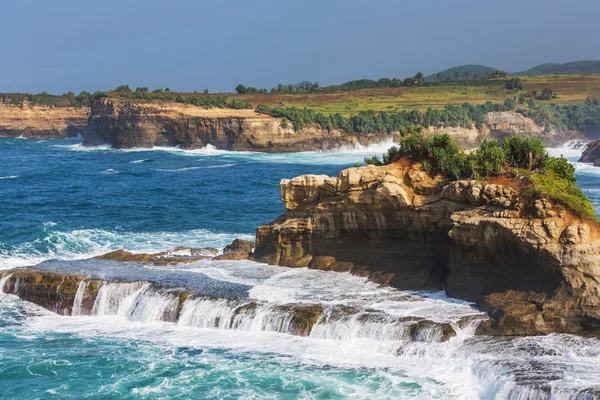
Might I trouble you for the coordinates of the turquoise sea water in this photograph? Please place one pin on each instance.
(65, 202)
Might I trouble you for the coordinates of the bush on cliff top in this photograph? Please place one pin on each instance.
(546, 176)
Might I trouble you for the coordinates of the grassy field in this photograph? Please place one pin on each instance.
(570, 89)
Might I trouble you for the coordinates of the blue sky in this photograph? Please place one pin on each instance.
(62, 45)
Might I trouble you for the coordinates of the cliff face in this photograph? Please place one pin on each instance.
(498, 125)
(125, 124)
(136, 123)
(535, 270)
(40, 122)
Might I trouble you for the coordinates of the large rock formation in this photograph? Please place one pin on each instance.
(42, 122)
(591, 153)
(498, 125)
(534, 268)
(125, 124)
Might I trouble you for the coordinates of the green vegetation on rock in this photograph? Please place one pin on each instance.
(543, 176)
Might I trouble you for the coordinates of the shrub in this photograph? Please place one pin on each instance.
(514, 84)
(489, 158)
(123, 88)
(263, 108)
(547, 94)
(373, 161)
(527, 153)
(561, 167)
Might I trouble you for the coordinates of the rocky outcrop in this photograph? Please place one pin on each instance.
(174, 256)
(534, 268)
(499, 125)
(125, 124)
(591, 153)
(42, 122)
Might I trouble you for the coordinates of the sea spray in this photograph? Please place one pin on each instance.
(3, 281)
(114, 297)
(79, 296)
(150, 305)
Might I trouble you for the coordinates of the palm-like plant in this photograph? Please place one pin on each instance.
(438, 76)
(456, 76)
(466, 75)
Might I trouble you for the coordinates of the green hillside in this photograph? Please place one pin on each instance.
(473, 70)
(575, 67)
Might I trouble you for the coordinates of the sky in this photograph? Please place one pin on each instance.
(187, 45)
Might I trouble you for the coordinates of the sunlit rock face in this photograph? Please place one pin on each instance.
(534, 268)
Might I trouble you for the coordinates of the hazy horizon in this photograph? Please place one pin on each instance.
(73, 46)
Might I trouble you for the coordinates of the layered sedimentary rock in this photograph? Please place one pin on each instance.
(125, 124)
(42, 122)
(591, 154)
(498, 125)
(534, 268)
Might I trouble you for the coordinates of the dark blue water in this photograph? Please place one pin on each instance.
(62, 200)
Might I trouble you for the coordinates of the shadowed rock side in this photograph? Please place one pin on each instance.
(42, 122)
(535, 270)
(125, 124)
(591, 154)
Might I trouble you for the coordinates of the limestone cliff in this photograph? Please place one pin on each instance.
(534, 268)
(42, 122)
(498, 125)
(125, 124)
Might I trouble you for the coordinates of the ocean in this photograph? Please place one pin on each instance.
(63, 203)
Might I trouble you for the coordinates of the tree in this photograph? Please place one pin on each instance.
(315, 87)
(205, 91)
(514, 84)
(547, 94)
(438, 76)
(475, 76)
(466, 75)
(456, 76)
(241, 89)
(420, 77)
(123, 88)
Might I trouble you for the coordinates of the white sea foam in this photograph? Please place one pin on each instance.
(86, 243)
(193, 168)
(345, 154)
(81, 147)
(138, 161)
(9, 177)
(464, 367)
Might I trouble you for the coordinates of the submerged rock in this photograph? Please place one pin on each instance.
(170, 257)
(534, 269)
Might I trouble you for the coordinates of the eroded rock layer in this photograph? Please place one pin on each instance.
(535, 269)
(125, 124)
(41, 122)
